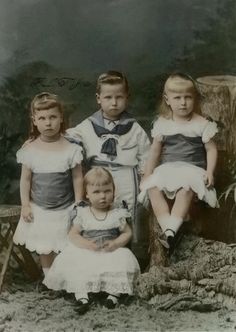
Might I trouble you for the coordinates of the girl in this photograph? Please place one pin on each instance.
(51, 180)
(185, 153)
(95, 260)
(112, 138)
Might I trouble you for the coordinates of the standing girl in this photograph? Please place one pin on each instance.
(95, 259)
(185, 153)
(51, 180)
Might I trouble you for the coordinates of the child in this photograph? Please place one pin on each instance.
(95, 260)
(112, 138)
(185, 153)
(50, 170)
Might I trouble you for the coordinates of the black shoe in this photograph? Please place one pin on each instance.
(109, 304)
(170, 241)
(111, 301)
(81, 308)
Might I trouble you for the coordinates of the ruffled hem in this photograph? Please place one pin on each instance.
(47, 232)
(108, 282)
(171, 177)
(95, 271)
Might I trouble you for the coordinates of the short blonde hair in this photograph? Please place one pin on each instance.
(98, 176)
(45, 101)
(112, 77)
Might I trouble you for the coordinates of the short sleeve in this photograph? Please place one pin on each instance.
(122, 215)
(156, 131)
(79, 220)
(209, 131)
(77, 156)
(24, 157)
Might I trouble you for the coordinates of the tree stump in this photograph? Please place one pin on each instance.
(158, 254)
(219, 102)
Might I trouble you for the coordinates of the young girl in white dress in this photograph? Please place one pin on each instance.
(185, 154)
(51, 181)
(95, 259)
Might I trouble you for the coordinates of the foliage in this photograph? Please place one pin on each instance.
(8, 167)
(231, 169)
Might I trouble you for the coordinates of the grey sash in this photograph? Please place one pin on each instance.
(52, 190)
(183, 148)
(100, 236)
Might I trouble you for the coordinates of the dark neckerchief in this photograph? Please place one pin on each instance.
(123, 127)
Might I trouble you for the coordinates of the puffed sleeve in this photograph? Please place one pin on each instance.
(122, 215)
(209, 131)
(24, 157)
(157, 130)
(79, 219)
(77, 155)
(74, 135)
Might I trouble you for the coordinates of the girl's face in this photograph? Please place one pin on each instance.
(48, 123)
(100, 196)
(113, 100)
(181, 103)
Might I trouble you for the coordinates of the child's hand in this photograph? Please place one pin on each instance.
(26, 213)
(91, 245)
(209, 179)
(110, 245)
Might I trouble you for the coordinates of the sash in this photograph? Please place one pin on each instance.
(52, 190)
(100, 236)
(183, 148)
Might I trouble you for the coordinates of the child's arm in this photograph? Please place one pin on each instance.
(79, 241)
(153, 157)
(25, 186)
(211, 154)
(120, 241)
(77, 177)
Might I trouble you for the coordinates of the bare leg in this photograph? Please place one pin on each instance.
(180, 208)
(182, 203)
(159, 203)
(46, 261)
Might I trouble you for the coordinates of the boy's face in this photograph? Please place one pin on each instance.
(113, 100)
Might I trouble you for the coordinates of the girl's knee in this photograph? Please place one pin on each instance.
(154, 193)
(186, 193)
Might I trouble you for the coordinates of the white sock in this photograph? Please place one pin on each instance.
(164, 221)
(175, 223)
(83, 297)
(45, 270)
(113, 297)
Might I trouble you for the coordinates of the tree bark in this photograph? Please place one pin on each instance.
(201, 276)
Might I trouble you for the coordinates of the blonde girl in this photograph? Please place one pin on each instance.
(182, 157)
(96, 259)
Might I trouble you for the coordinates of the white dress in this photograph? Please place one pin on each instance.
(175, 174)
(78, 270)
(48, 230)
